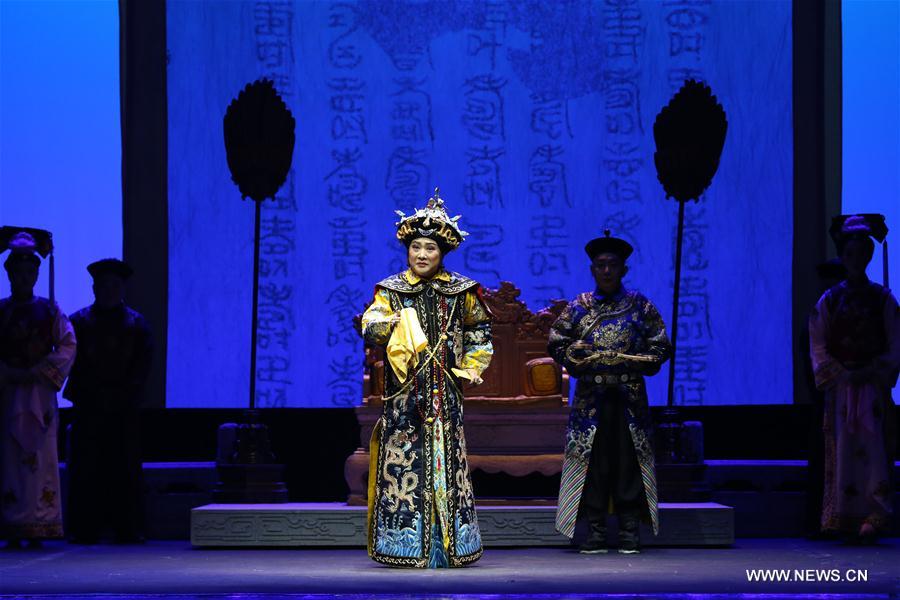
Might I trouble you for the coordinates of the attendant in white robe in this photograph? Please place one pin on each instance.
(37, 349)
(854, 336)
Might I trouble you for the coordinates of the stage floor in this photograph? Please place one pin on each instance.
(176, 569)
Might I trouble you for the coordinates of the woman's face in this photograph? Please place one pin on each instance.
(424, 257)
(22, 278)
(855, 257)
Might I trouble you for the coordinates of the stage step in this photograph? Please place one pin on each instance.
(321, 524)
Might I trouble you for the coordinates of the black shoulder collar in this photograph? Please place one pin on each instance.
(457, 284)
(623, 304)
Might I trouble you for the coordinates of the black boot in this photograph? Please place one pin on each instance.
(629, 534)
(596, 541)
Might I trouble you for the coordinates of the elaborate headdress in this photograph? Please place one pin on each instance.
(847, 227)
(608, 244)
(862, 226)
(25, 244)
(28, 244)
(431, 222)
(22, 248)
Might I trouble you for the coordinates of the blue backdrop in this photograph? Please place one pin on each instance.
(534, 118)
(871, 121)
(60, 149)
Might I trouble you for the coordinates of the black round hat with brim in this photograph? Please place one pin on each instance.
(608, 245)
(110, 266)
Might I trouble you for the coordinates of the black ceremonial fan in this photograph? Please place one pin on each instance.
(689, 134)
(259, 146)
(259, 140)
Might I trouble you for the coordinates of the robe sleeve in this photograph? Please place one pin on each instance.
(887, 364)
(827, 371)
(478, 347)
(376, 321)
(143, 357)
(55, 366)
(563, 335)
(653, 330)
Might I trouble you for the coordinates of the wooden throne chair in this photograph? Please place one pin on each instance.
(515, 421)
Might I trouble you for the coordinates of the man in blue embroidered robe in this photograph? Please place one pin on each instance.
(437, 334)
(610, 340)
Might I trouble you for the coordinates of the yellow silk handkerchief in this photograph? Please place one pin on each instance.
(406, 342)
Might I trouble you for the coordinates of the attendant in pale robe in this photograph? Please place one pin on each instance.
(854, 335)
(37, 349)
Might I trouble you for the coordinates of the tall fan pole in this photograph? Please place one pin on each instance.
(670, 401)
(259, 144)
(254, 318)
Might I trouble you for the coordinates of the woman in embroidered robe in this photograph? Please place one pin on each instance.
(437, 334)
(37, 349)
(610, 340)
(854, 333)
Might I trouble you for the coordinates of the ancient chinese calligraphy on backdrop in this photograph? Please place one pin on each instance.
(534, 118)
